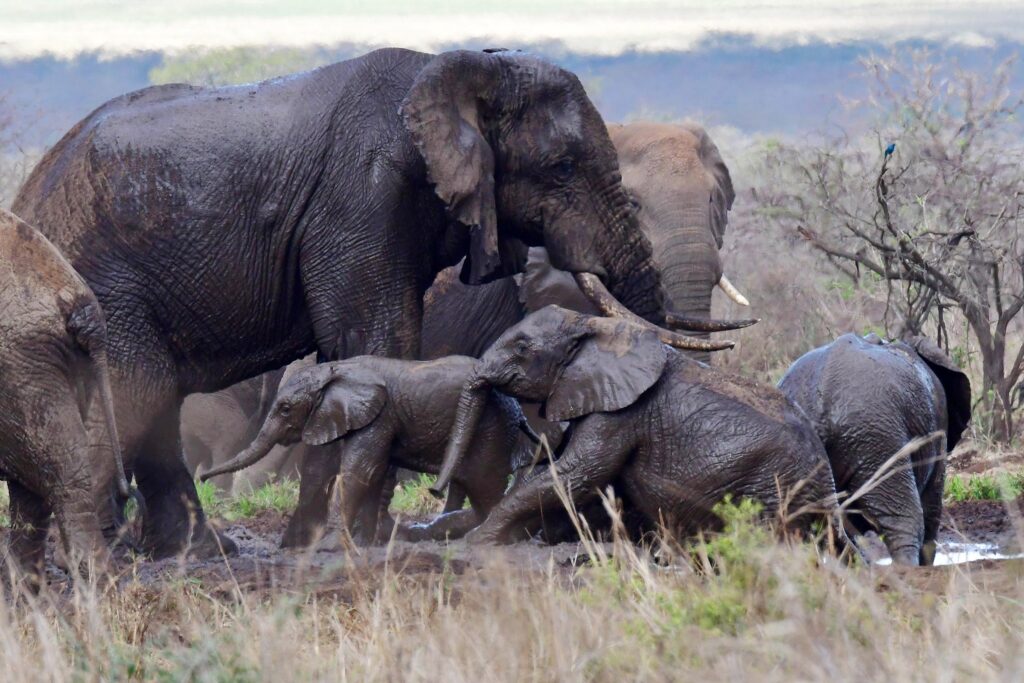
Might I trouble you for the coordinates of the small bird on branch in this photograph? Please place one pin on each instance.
(890, 149)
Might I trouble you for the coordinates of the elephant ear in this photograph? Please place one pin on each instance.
(616, 362)
(722, 193)
(444, 112)
(954, 382)
(350, 400)
(541, 284)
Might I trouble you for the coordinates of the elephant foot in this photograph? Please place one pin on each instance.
(209, 543)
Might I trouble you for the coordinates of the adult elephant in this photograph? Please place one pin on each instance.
(683, 190)
(228, 231)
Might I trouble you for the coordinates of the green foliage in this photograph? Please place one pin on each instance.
(1004, 486)
(236, 65)
(413, 497)
(277, 496)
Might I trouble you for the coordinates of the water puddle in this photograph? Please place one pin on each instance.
(959, 553)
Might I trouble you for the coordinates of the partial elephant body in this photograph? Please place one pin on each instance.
(215, 427)
(387, 413)
(868, 399)
(230, 231)
(673, 436)
(56, 402)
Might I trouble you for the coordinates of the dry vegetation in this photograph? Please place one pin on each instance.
(736, 607)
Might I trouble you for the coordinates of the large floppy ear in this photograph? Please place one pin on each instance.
(350, 400)
(541, 284)
(615, 363)
(445, 112)
(722, 192)
(954, 383)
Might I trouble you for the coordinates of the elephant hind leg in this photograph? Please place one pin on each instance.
(30, 522)
(931, 504)
(894, 506)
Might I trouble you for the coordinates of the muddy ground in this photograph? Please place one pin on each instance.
(262, 567)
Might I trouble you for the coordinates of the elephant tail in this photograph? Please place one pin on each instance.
(525, 428)
(87, 326)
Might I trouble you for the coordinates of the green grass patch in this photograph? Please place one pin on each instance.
(277, 496)
(1002, 486)
(413, 497)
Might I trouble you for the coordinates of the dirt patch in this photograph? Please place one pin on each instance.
(986, 521)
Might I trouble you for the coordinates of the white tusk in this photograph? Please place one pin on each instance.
(732, 292)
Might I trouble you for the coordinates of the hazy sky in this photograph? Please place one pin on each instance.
(30, 28)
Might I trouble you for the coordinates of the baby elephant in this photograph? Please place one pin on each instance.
(868, 399)
(395, 413)
(55, 387)
(674, 436)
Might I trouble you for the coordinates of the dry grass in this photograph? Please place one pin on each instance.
(736, 607)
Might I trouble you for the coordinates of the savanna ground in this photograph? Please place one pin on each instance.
(740, 605)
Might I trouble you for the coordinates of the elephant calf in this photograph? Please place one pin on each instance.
(868, 399)
(54, 387)
(674, 436)
(395, 413)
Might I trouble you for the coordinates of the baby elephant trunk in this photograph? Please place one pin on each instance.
(257, 450)
(471, 406)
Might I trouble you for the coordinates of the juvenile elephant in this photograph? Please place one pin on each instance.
(55, 393)
(229, 231)
(674, 436)
(394, 413)
(867, 399)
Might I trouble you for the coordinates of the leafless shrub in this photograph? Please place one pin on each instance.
(935, 228)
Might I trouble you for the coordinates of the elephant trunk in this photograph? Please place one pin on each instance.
(471, 406)
(257, 450)
(101, 367)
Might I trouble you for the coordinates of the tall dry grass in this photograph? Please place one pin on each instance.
(737, 606)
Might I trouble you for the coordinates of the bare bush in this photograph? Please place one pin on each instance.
(936, 226)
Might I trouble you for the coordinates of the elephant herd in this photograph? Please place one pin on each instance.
(468, 257)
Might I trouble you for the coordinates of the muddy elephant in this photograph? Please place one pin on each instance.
(868, 399)
(58, 436)
(229, 231)
(683, 190)
(672, 435)
(388, 413)
(216, 426)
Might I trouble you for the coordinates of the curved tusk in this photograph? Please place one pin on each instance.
(610, 306)
(678, 321)
(731, 291)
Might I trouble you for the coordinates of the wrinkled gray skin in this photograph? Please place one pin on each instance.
(683, 190)
(229, 231)
(57, 424)
(868, 399)
(388, 413)
(672, 435)
(215, 427)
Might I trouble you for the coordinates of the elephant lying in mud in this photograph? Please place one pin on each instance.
(672, 435)
(56, 399)
(394, 413)
(867, 399)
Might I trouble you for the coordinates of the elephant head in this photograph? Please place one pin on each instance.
(571, 363)
(317, 405)
(678, 178)
(520, 156)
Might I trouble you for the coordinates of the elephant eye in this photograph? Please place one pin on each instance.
(285, 408)
(522, 347)
(565, 168)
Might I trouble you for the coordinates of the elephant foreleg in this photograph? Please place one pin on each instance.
(317, 473)
(30, 521)
(591, 460)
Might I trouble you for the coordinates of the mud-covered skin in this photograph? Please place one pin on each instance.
(684, 191)
(55, 441)
(674, 436)
(867, 399)
(230, 231)
(394, 413)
